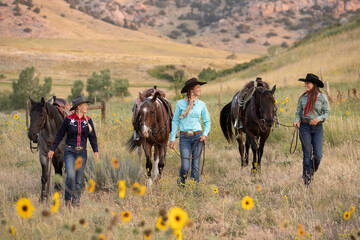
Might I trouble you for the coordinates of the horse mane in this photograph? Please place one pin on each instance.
(54, 113)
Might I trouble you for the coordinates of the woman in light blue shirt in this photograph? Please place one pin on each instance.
(188, 114)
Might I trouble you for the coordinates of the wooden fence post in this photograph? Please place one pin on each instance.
(103, 111)
(327, 87)
(220, 97)
(95, 100)
(27, 113)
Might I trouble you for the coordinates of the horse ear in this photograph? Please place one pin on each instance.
(141, 97)
(31, 101)
(273, 90)
(156, 95)
(42, 101)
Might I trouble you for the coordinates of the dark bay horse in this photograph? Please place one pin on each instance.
(46, 120)
(153, 125)
(257, 115)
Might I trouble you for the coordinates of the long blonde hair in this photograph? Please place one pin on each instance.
(87, 121)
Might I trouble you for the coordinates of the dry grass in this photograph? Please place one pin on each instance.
(282, 199)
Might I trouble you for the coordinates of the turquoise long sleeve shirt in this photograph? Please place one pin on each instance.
(321, 109)
(192, 121)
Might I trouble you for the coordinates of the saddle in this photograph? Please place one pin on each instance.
(243, 97)
(61, 104)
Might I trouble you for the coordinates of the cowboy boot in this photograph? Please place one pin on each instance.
(316, 164)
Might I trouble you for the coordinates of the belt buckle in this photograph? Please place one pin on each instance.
(190, 133)
(78, 148)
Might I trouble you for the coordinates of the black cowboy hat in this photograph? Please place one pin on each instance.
(76, 101)
(190, 83)
(313, 79)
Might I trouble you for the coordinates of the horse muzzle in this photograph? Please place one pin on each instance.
(33, 136)
(146, 131)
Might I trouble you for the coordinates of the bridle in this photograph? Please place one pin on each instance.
(258, 120)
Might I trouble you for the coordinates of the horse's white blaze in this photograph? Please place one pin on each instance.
(156, 171)
(145, 131)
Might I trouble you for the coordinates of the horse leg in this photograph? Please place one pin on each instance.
(156, 161)
(147, 149)
(140, 153)
(162, 159)
(241, 149)
(261, 147)
(254, 148)
(58, 163)
(247, 147)
(44, 175)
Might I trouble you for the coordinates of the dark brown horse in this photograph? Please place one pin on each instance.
(46, 119)
(254, 107)
(152, 124)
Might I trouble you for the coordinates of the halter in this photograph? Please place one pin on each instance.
(260, 121)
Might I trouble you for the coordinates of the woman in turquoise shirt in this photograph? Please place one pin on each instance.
(188, 114)
(312, 110)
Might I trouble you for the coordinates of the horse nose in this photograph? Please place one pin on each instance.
(269, 122)
(32, 136)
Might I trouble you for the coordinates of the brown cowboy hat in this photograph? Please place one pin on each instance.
(313, 79)
(76, 101)
(191, 83)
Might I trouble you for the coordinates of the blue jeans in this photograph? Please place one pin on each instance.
(74, 177)
(187, 144)
(312, 143)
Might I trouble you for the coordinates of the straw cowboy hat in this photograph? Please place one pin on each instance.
(313, 79)
(191, 83)
(76, 101)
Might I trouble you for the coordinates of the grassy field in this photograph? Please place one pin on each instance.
(281, 201)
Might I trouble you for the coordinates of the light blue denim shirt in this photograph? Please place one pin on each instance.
(192, 121)
(321, 109)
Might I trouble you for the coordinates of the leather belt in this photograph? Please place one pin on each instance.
(308, 121)
(190, 133)
(77, 148)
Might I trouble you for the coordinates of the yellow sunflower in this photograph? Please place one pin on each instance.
(12, 230)
(78, 163)
(161, 224)
(56, 195)
(352, 209)
(24, 208)
(258, 188)
(247, 203)
(126, 216)
(91, 186)
(138, 189)
(16, 116)
(346, 215)
(216, 190)
(286, 99)
(281, 110)
(122, 189)
(147, 234)
(300, 231)
(178, 234)
(177, 218)
(55, 205)
(115, 163)
(101, 237)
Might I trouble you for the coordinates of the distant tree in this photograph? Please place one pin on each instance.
(5, 100)
(250, 40)
(121, 86)
(207, 74)
(76, 90)
(99, 85)
(36, 10)
(178, 83)
(27, 30)
(28, 86)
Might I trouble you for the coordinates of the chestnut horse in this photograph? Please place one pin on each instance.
(258, 115)
(152, 127)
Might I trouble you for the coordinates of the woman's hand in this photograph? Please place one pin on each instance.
(297, 124)
(172, 144)
(314, 121)
(96, 156)
(50, 154)
(202, 138)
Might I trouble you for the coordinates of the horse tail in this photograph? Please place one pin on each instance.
(225, 122)
(131, 144)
